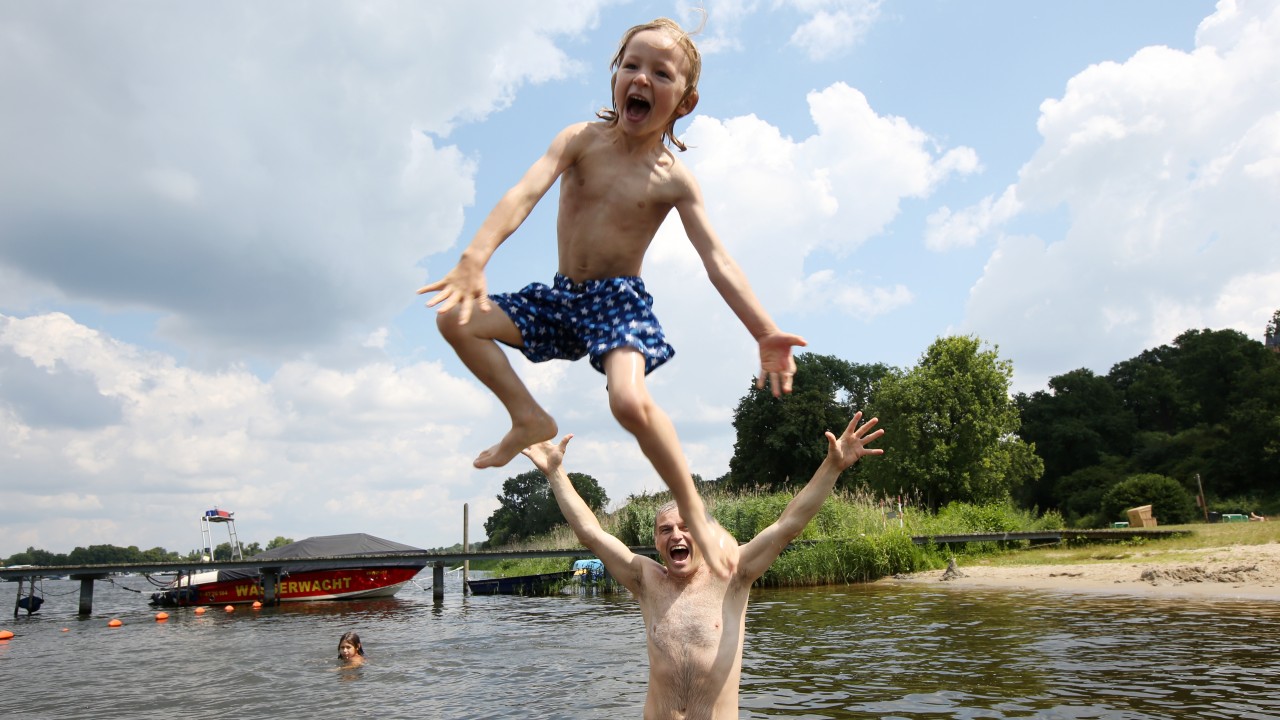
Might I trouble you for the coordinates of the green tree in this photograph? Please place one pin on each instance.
(1207, 404)
(33, 556)
(780, 441)
(104, 555)
(1228, 389)
(223, 552)
(1081, 492)
(1150, 390)
(1212, 365)
(951, 428)
(22, 558)
(1075, 424)
(527, 507)
(1248, 460)
(279, 541)
(159, 554)
(1170, 503)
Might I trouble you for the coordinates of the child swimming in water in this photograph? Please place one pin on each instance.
(350, 651)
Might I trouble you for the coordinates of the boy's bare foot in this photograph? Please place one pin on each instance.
(520, 436)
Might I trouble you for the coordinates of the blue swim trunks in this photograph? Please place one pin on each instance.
(569, 320)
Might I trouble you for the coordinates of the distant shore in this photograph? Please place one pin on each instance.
(1236, 572)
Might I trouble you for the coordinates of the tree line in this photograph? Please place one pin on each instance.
(1202, 412)
(116, 555)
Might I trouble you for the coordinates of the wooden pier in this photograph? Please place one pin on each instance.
(271, 572)
(1047, 536)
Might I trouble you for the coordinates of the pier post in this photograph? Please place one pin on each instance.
(19, 600)
(270, 586)
(437, 580)
(86, 595)
(86, 590)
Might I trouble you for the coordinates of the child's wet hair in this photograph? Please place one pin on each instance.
(352, 639)
(684, 40)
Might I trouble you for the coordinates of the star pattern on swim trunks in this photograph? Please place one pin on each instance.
(569, 320)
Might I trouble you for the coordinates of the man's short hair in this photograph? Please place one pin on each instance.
(665, 507)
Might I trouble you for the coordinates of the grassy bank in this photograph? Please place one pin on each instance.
(853, 538)
(1182, 548)
(857, 538)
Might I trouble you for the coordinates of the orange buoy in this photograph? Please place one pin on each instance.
(6, 634)
(162, 616)
(114, 622)
(256, 605)
(66, 629)
(200, 611)
(230, 608)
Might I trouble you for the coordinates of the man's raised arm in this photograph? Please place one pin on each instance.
(622, 564)
(842, 452)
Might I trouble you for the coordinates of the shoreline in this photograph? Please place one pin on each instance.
(1236, 572)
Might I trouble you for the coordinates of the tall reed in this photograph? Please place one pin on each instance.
(855, 536)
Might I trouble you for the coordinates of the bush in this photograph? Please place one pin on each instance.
(1051, 520)
(1081, 492)
(959, 518)
(856, 560)
(1170, 503)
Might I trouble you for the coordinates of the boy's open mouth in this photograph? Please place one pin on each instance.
(637, 108)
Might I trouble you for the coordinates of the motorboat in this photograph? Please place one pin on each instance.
(336, 567)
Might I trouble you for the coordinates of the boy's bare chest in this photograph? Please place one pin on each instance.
(627, 185)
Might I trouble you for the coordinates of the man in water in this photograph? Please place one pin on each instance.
(694, 620)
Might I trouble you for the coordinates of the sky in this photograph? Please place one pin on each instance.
(214, 218)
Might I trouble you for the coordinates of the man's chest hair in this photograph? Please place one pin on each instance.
(691, 618)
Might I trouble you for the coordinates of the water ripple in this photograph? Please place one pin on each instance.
(846, 652)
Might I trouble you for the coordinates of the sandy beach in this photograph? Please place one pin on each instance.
(1237, 572)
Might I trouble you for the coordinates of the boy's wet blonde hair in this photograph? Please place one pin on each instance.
(685, 42)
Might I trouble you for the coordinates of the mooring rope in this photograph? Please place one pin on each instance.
(425, 589)
(120, 587)
(54, 594)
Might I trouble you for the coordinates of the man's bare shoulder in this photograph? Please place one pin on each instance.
(649, 574)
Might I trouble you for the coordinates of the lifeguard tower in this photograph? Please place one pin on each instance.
(219, 516)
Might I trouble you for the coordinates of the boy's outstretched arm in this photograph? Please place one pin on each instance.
(623, 565)
(777, 366)
(464, 285)
(842, 452)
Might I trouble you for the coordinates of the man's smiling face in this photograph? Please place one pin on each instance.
(674, 543)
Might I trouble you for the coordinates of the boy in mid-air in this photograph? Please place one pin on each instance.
(618, 182)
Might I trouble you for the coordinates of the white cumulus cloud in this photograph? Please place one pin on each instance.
(1166, 165)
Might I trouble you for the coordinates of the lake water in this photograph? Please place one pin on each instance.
(833, 652)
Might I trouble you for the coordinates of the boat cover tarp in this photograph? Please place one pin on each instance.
(325, 546)
(591, 569)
